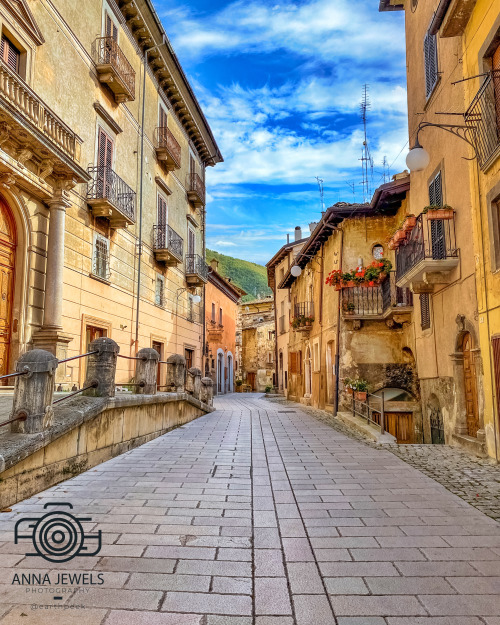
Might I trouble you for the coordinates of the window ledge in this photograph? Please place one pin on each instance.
(430, 97)
(99, 278)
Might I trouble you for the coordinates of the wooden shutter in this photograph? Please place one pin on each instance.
(292, 362)
(191, 242)
(425, 313)
(430, 62)
(213, 312)
(495, 342)
(436, 191)
(162, 117)
(104, 149)
(111, 29)
(162, 211)
(192, 164)
(10, 54)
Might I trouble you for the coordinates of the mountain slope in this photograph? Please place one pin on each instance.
(248, 276)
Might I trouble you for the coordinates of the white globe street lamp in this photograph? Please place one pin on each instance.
(196, 299)
(418, 158)
(295, 271)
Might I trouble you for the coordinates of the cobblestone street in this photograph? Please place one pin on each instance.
(261, 514)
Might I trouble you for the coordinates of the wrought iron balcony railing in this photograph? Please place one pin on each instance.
(483, 118)
(114, 68)
(167, 243)
(167, 148)
(304, 309)
(429, 247)
(110, 196)
(195, 189)
(196, 268)
(375, 301)
(23, 109)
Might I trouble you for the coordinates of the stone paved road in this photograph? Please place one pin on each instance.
(259, 514)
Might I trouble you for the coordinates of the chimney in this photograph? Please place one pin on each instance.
(298, 233)
(312, 225)
(214, 264)
(287, 239)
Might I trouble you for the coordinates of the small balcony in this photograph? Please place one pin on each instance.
(195, 190)
(113, 68)
(168, 246)
(482, 117)
(30, 131)
(214, 331)
(303, 317)
(110, 197)
(428, 254)
(168, 150)
(196, 270)
(380, 302)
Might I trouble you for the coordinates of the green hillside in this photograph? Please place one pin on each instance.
(250, 277)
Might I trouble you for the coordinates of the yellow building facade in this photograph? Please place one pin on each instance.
(103, 151)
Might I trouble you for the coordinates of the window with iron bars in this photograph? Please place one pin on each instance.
(100, 259)
(160, 290)
(425, 311)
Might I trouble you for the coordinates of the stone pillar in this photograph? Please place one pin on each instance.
(207, 391)
(176, 372)
(51, 336)
(193, 382)
(458, 377)
(101, 368)
(33, 392)
(146, 370)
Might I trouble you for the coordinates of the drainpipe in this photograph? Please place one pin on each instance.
(203, 306)
(276, 337)
(337, 336)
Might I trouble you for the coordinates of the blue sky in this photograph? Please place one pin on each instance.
(281, 85)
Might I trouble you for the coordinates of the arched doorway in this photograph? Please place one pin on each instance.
(230, 373)
(308, 373)
(220, 373)
(470, 386)
(7, 266)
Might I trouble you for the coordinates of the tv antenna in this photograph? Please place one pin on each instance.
(386, 171)
(321, 193)
(366, 158)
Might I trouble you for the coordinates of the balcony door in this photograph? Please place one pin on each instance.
(437, 229)
(191, 247)
(162, 215)
(105, 149)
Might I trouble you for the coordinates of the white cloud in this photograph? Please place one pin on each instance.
(225, 244)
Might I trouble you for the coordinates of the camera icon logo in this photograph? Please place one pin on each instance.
(58, 536)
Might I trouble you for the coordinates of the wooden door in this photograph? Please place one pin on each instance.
(470, 386)
(7, 260)
(251, 379)
(400, 425)
(159, 348)
(495, 343)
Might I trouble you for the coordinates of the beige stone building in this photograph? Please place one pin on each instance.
(255, 344)
(276, 269)
(102, 169)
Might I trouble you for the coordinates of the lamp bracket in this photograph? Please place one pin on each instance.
(457, 130)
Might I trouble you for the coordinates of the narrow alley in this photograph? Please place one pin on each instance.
(259, 514)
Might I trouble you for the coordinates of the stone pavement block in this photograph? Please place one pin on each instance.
(273, 620)
(304, 578)
(266, 538)
(292, 528)
(216, 619)
(461, 605)
(125, 617)
(111, 598)
(184, 553)
(343, 542)
(476, 585)
(361, 620)
(140, 565)
(347, 585)
(460, 553)
(207, 603)
(436, 569)
(217, 567)
(313, 609)
(231, 585)
(435, 620)
(269, 563)
(299, 550)
(198, 530)
(271, 596)
(27, 616)
(376, 606)
(158, 581)
(486, 568)
(390, 555)
(409, 585)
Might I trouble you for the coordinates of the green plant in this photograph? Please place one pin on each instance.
(269, 388)
(308, 320)
(360, 385)
(435, 207)
(350, 306)
(238, 382)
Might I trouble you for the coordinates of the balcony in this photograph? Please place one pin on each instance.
(282, 324)
(196, 270)
(113, 68)
(214, 331)
(168, 246)
(482, 118)
(428, 254)
(380, 302)
(30, 131)
(168, 150)
(195, 190)
(303, 317)
(110, 197)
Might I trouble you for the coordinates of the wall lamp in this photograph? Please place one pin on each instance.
(296, 270)
(418, 158)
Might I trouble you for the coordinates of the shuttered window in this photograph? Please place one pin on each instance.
(111, 29)
(100, 260)
(213, 312)
(10, 54)
(162, 117)
(425, 313)
(495, 342)
(162, 211)
(431, 63)
(436, 191)
(104, 149)
(292, 362)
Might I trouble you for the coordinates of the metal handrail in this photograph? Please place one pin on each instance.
(195, 185)
(166, 238)
(106, 184)
(143, 358)
(482, 117)
(164, 138)
(106, 51)
(85, 388)
(369, 408)
(21, 417)
(13, 375)
(79, 356)
(196, 265)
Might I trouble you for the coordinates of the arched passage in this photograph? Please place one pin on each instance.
(230, 372)
(220, 372)
(8, 241)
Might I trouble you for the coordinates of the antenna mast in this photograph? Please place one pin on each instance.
(366, 158)
(321, 194)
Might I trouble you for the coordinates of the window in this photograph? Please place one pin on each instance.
(437, 226)
(189, 356)
(160, 290)
(431, 63)
(213, 312)
(100, 257)
(162, 210)
(378, 252)
(436, 191)
(425, 313)
(11, 56)
(316, 360)
(162, 117)
(111, 27)
(270, 335)
(495, 343)
(495, 233)
(220, 316)
(190, 308)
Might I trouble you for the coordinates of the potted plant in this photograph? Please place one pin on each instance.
(361, 389)
(350, 308)
(399, 236)
(239, 384)
(349, 385)
(435, 212)
(334, 278)
(409, 223)
(308, 321)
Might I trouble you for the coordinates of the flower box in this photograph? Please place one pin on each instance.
(409, 223)
(399, 236)
(361, 395)
(440, 213)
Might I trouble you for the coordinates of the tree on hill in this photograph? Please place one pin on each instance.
(250, 277)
